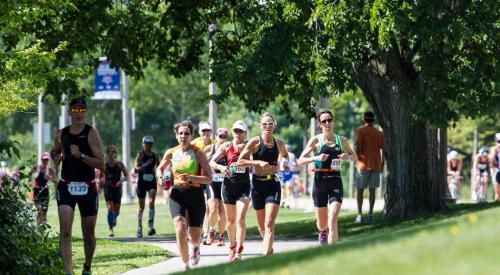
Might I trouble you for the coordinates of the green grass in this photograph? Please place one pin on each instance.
(462, 240)
(127, 221)
(113, 257)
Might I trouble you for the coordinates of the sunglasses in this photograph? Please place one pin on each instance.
(78, 110)
(223, 136)
(238, 131)
(184, 133)
(267, 124)
(111, 152)
(329, 120)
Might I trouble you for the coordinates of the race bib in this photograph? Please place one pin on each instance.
(218, 177)
(336, 164)
(148, 177)
(237, 170)
(76, 188)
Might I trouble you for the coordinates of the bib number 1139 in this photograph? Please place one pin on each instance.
(78, 188)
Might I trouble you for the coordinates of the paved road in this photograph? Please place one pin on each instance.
(212, 254)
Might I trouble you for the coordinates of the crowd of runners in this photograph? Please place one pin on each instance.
(210, 182)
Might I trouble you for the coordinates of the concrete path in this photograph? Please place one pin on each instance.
(212, 254)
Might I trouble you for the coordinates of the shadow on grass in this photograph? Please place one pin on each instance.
(353, 236)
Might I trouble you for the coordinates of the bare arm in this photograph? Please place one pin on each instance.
(306, 155)
(349, 153)
(56, 151)
(137, 163)
(97, 160)
(164, 163)
(244, 159)
(358, 143)
(124, 171)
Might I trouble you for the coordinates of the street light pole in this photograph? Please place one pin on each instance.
(212, 86)
(126, 135)
(40, 127)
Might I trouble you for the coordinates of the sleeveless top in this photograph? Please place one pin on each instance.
(454, 165)
(147, 174)
(40, 181)
(236, 174)
(267, 154)
(333, 151)
(185, 162)
(482, 166)
(112, 174)
(73, 169)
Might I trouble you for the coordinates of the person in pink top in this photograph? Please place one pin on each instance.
(369, 146)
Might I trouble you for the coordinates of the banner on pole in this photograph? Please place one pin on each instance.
(107, 82)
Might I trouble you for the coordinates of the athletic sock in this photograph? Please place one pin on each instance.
(139, 219)
(151, 217)
(110, 219)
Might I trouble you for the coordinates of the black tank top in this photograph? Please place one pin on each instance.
(40, 181)
(269, 155)
(149, 169)
(333, 152)
(113, 174)
(73, 169)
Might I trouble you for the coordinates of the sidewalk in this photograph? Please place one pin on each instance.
(348, 204)
(212, 254)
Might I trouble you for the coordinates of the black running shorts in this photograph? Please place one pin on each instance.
(233, 191)
(113, 194)
(188, 200)
(327, 190)
(214, 190)
(265, 191)
(143, 187)
(88, 203)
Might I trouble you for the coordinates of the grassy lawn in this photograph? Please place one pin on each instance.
(127, 221)
(462, 240)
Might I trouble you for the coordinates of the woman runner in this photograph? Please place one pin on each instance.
(111, 178)
(235, 189)
(327, 150)
(266, 190)
(187, 204)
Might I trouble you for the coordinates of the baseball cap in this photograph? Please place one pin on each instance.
(45, 155)
(148, 139)
(497, 137)
(240, 124)
(78, 101)
(204, 126)
(221, 131)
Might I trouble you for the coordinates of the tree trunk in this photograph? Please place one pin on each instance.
(411, 147)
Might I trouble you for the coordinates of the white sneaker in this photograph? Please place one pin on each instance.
(358, 219)
(195, 256)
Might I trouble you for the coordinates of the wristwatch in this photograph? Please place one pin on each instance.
(82, 156)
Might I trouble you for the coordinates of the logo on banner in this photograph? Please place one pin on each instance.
(107, 82)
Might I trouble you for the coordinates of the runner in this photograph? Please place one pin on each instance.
(79, 148)
(145, 164)
(41, 176)
(482, 170)
(288, 179)
(112, 181)
(327, 150)
(216, 213)
(187, 204)
(495, 166)
(205, 139)
(266, 190)
(235, 189)
(454, 167)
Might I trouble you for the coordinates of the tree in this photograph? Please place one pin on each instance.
(415, 78)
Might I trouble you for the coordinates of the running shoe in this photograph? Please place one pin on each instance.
(151, 231)
(237, 255)
(211, 237)
(232, 252)
(195, 256)
(205, 236)
(323, 238)
(358, 219)
(111, 232)
(86, 270)
(139, 232)
(186, 267)
(221, 240)
(370, 217)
